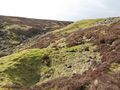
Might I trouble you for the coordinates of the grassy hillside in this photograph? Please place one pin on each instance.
(79, 56)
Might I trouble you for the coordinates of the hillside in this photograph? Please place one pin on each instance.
(84, 55)
(15, 31)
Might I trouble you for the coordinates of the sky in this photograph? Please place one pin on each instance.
(68, 10)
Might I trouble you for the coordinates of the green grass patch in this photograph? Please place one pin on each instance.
(114, 67)
(35, 66)
(17, 27)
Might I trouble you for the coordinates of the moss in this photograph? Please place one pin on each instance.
(14, 42)
(58, 44)
(35, 66)
(79, 25)
(114, 67)
(17, 27)
(20, 67)
(88, 22)
(83, 47)
(66, 63)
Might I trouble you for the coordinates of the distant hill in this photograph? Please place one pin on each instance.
(84, 55)
(15, 30)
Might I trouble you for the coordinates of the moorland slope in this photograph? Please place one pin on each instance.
(84, 55)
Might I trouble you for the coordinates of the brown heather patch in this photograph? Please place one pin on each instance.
(82, 82)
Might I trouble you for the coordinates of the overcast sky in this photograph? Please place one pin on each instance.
(70, 10)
